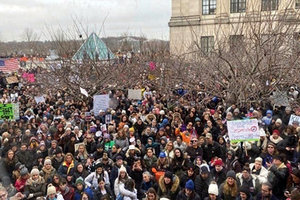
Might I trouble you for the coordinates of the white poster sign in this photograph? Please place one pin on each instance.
(135, 94)
(39, 99)
(243, 130)
(294, 118)
(16, 110)
(101, 102)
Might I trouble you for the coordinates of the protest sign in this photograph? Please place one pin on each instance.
(293, 119)
(16, 110)
(101, 102)
(135, 94)
(6, 111)
(12, 79)
(84, 92)
(280, 99)
(243, 130)
(39, 99)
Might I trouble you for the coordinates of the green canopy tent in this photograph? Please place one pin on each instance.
(95, 49)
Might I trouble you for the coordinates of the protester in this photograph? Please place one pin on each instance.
(174, 147)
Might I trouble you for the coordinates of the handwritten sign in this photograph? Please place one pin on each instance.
(243, 130)
(40, 99)
(293, 119)
(12, 79)
(6, 111)
(101, 102)
(135, 94)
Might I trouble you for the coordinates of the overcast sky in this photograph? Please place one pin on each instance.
(136, 17)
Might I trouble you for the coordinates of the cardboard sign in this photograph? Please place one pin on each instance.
(280, 99)
(101, 102)
(12, 79)
(39, 99)
(293, 119)
(135, 94)
(6, 111)
(243, 130)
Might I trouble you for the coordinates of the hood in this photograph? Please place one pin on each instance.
(269, 112)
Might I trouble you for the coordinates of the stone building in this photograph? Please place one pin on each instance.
(202, 23)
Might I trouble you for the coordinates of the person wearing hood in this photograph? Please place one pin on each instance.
(202, 181)
(80, 188)
(168, 185)
(35, 186)
(119, 186)
(48, 171)
(258, 170)
(180, 163)
(246, 179)
(267, 120)
(188, 192)
(164, 123)
(92, 179)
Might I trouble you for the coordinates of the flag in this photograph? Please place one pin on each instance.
(9, 65)
(84, 92)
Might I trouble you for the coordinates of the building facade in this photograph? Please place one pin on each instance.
(201, 23)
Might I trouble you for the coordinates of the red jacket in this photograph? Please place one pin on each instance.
(68, 194)
(20, 184)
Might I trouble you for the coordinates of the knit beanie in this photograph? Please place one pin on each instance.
(34, 171)
(23, 171)
(169, 175)
(231, 174)
(79, 181)
(245, 190)
(213, 189)
(189, 185)
(47, 162)
(51, 190)
(122, 168)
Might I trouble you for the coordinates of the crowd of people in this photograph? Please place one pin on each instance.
(59, 149)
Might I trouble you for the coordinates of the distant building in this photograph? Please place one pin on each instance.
(203, 22)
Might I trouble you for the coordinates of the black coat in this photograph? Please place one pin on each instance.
(211, 150)
(201, 186)
(278, 178)
(181, 196)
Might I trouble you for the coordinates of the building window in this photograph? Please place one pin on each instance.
(269, 5)
(297, 3)
(236, 41)
(209, 7)
(237, 6)
(207, 44)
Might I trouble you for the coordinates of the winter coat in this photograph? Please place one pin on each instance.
(68, 194)
(37, 188)
(76, 175)
(64, 170)
(88, 190)
(119, 189)
(123, 143)
(182, 196)
(201, 185)
(263, 173)
(278, 177)
(98, 194)
(48, 174)
(219, 177)
(20, 184)
(149, 162)
(210, 151)
(56, 163)
(252, 183)
(92, 179)
(193, 153)
(168, 191)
